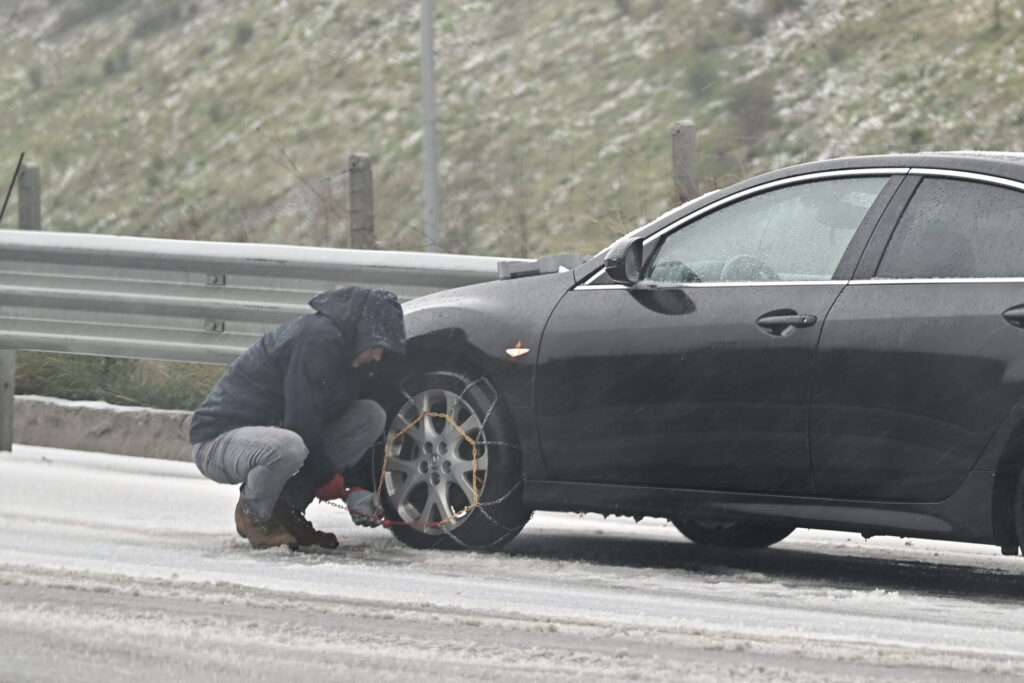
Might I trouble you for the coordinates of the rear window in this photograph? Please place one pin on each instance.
(958, 229)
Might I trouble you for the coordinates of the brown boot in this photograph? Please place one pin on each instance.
(298, 526)
(261, 535)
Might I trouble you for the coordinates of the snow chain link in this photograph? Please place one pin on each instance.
(475, 504)
(472, 442)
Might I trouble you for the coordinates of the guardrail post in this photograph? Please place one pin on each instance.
(684, 160)
(7, 364)
(30, 214)
(360, 201)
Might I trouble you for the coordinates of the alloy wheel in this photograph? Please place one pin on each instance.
(430, 473)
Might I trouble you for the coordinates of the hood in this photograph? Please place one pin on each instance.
(373, 316)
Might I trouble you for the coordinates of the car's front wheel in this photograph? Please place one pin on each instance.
(733, 534)
(450, 464)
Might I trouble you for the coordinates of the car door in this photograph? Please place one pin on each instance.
(922, 356)
(699, 376)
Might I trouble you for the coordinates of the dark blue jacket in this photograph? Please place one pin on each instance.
(300, 376)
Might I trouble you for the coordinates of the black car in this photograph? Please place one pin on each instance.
(835, 345)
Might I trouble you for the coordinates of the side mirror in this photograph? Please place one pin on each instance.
(624, 261)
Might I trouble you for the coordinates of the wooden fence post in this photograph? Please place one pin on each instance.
(684, 160)
(30, 213)
(360, 203)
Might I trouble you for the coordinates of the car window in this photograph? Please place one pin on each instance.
(955, 229)
(794, 233)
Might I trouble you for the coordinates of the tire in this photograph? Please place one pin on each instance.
(427, 468)
(733, 534)
(1018, 510)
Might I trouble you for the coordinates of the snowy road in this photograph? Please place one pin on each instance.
(115, 568)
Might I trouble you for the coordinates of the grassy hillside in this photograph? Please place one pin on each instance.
(201, 119)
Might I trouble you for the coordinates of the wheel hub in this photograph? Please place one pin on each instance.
(430, 474)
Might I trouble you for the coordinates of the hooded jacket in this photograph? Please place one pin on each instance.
(300, 376)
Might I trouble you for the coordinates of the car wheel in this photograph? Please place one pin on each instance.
(1018, 510)
(450, 464)
(733, 534)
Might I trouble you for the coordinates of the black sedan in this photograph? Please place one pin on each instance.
(835, 345)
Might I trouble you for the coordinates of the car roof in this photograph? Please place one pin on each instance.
(1012, 157)
(1004, 164)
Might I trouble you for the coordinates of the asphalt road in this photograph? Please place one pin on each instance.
(115, 568)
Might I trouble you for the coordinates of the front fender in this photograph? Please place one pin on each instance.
(482, 321)
(477, 325)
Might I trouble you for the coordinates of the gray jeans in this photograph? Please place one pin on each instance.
(263, 459)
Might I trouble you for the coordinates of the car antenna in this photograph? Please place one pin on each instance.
(15, 177)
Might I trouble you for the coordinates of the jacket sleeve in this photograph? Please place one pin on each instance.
(315, 359)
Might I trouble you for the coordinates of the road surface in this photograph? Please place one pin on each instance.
(115, 568)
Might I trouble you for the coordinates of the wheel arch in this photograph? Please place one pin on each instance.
(447, 348)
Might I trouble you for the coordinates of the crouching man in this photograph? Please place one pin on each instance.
(284, 419)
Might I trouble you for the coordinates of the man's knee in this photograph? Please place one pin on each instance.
(289, 449)
(374, 417)
(350, 435)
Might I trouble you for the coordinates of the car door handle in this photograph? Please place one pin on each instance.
(1015, 316)
(781, 322)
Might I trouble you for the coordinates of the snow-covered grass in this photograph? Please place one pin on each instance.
(235, 121)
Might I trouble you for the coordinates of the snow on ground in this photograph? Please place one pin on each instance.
(114, 567)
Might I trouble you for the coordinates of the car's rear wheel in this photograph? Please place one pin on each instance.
(450, 463)
(733, 534)
(1018, 509)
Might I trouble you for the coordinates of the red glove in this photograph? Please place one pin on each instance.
(333, 489)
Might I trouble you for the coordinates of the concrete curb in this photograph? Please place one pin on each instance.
(102, 427)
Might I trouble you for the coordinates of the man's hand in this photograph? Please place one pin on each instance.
(365, 507)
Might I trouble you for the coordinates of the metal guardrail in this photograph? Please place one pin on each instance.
(177, 300)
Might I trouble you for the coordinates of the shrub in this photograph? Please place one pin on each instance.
(117, 62)
(35, 76)
(773, 7)
(753, 105)
(701, 72)
(84, 11)
(216, 111)
(919, 136)
(177, 386)
(243, 33)
(157, 20)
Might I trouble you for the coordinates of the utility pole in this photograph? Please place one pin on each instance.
(431, 202)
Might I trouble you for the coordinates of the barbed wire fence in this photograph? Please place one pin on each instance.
(522, 198)
(559, 195)
(533, 199)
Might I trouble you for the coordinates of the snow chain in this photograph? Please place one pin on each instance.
(475, 504)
